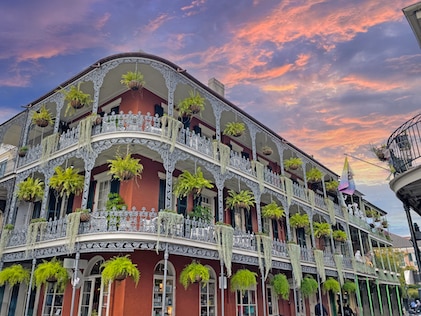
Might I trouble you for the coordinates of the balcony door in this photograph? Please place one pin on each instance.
(93, 295)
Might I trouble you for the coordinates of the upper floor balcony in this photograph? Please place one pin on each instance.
(404, 146)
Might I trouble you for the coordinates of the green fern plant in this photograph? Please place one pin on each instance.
(201, 212)
(299, 220)
(281, 285)
(14, 274)
(242, 280)
(321, 229)
(194, 272)
(115, 201)
(76, 99)
(339, 235)
(125, 168)
(235, 129)
(314, 175)
(188, 182)
(293, 163)
(133, 80)
(349, 286)
(331, 285)
(42, 117)
(309, 286)
(118, 268)
(273, 210)
(30, 190)
(244, 199)
(51, 271)
(67, 181)
(332, 185)
(191, 105)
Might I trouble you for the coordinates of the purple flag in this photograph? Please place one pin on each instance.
(347, 184)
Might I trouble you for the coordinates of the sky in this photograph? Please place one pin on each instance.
(333, 77)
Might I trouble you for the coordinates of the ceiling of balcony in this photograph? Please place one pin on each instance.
(407, 187)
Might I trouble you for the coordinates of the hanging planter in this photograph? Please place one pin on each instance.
(331, 186)
(243, 280)
(243, 199)
(23, 151)
(194, 273)
(42, 117)
(331, 285)
(281, 285)
(235, 129)
(191, 105)
(15, 274)
(188, 182)
(321, 229)
(273, 211)
(314, 175)
(76, 99)
(51, 271)
(30, 190)
(381, 152)
(133, 80)
(119, 268)
(349, 287)
(267, 151)
(125, 168)
(293, 163)
(299, 220)
(308, 286)
(339, 235)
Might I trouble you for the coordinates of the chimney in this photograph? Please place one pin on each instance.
(216, 86)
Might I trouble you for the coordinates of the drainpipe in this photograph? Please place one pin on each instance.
(76, 267)
(222, 285)
(263, 289)
(28, 297)
(164, 286)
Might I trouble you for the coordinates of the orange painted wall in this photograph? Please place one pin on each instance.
(143, 101)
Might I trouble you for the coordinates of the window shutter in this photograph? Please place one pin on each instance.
(161, 198)
(91, 195)
(159, 110)
(115, 186)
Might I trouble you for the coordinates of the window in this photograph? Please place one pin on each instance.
(246, 303)
(93, 295)
(241, 219)
(301, 237)
(208, 296)
(3, 165)
(104, 185)
(207, 199)
(161, 300)
(272, 301)
(53, 302)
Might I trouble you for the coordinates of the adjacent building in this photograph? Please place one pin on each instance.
(149, 123)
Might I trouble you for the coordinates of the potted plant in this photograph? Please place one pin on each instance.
(194, 273)
(243, 199)
(321, 229)
(293, 163)
(266, 150)
(339, 235)
(201, 213)
(30, 190)
(381, 152)
(42, 117)
(273, 211)
(23, 151)
(243, 280)
(281, 285)
(125, 168)
(66, 182)
(349, 287)
(331, 285)
(314, 175)
(9, 227)
(332, 185)
(235, 129)
(188, 182)
(385, 223)
(308, 286)
(299, 220)
(133, 80)
(14, 274)
(119, 268)
(51, 271)
(115, 202)
(191, 105)
(76, 99)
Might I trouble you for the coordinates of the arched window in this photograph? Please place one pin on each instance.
(93, 294)
(208, 299)
(163, 294)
